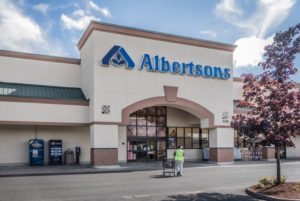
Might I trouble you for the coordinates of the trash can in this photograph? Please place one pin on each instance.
(36, 152)
(69, 157)
(55, 152)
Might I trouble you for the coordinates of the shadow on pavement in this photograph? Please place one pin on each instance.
(209, 197)
(161, 176)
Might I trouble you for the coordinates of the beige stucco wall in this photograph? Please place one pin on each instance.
(120, 87)
(189, 154)
(180, 118)
(104, 136)
(221, 138)
(30, 71)
(238, 90)
(86, 70)
(40, 112)
(14, 148)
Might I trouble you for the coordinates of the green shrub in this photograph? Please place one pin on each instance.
(283, 179)
(267, 180)
(271, 180)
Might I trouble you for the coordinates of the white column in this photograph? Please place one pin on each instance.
(104, 145)
(104, 136)
(221, 144)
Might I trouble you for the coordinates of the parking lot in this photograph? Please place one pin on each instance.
(197, 183)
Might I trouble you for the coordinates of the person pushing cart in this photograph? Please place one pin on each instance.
(179, 159)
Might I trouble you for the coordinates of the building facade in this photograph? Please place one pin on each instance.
(133, 95)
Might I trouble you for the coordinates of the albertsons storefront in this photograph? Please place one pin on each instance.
(133, 95)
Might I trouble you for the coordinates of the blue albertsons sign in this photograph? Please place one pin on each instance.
(118, 57)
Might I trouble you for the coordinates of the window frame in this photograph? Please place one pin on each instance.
(184, 137)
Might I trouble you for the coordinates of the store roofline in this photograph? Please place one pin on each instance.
(124, 30)
(68, 60)
(41, 57)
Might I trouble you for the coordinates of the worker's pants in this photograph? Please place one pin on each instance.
(179, 167)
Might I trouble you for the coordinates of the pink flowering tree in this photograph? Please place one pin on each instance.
(272, 97)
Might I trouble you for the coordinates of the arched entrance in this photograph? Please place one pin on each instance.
(154, 131)
(181, 103)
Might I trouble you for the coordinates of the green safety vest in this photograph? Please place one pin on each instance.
(179, 155)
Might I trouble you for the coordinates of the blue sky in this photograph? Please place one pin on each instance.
(54, 27)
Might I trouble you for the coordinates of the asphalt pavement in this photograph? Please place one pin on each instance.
(201, 183)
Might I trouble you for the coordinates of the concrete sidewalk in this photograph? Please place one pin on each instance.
(11, 171)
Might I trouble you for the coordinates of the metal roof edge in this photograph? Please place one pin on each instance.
(40, 57)
(125, 30)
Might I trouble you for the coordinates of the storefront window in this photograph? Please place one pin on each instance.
(196, 138)
(131, 130)
(161, 149)
(151, 121)
(149, 137)
(189, 138)
(172, 143)
(132, 121)
(141, 113)
(141, 121)
(161, 131)
(151, 111)
(147, 132)
(151, 131)
(141, 131)
(204, 138)
(161, 121)
(172, 138)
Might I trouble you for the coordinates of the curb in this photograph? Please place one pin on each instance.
(265, 197)
(56, 173)
(90, 171)
(73, 173)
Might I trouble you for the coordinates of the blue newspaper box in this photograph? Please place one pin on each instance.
(36, 152)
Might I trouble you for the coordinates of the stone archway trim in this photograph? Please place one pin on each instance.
(161, 100)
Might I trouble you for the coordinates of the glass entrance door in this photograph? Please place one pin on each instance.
(144, 150)
(146, 134)
(141, 153)
(151, 149)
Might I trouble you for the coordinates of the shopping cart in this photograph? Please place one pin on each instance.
(169, 167)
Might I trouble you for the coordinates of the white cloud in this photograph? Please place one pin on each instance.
(18, 32)
(249, 51)
(210, 33)
(21, 33)
(43, 8)
(78, 20)
(273, 12)
(227, 7)
(269, 14)
(104, 11)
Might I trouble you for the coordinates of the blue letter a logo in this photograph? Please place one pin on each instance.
(118, 56)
